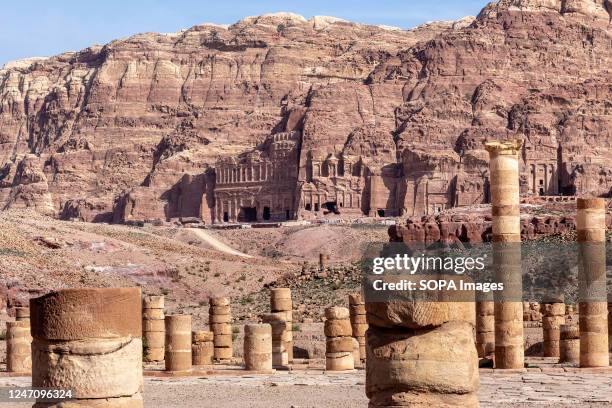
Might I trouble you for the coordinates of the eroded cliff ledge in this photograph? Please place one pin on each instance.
(281, 117)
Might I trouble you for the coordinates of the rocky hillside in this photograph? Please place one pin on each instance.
(137, 125)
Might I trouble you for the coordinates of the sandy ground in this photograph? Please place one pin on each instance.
(317, 390)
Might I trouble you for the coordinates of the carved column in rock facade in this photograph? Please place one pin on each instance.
(593, 305)
(505, 200)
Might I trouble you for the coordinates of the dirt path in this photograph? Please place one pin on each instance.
(216, 244)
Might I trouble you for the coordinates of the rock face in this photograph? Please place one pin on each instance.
(280, 117)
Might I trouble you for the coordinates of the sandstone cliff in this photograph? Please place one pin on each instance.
(280, 117)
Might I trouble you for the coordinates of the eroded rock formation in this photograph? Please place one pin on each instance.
(281, 117)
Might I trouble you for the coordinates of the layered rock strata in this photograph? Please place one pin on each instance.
(278, 117)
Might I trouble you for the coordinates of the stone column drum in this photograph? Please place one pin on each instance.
(202, 348)
(282, 305)
(569, 348)
(323, 260)
(22, 314)
(505, 207)
(485, 328)
(339, 340)
(153, 328)
(280, 357)
(359, 322)
(258, 347)
(220, 321)
(178, 343)
(421, 354)
(89, 341)
(18, 354)
(554, 317)
(593, 305)
(610, 322)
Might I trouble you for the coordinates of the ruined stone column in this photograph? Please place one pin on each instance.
(22, 314)
(359, 322)
(89, 341)
(569, 349)
(505, 206)
(282, 305)
(357, 362)
(593, 305)
(323, 258)
(258, 347)
(610, 322)
(178, 343)
(280, 356)
(219, 319)
(202, 348)
(485, 328)
(554, 317)
(339, 340)
(421, 354)
(153, 328)
(18, 354)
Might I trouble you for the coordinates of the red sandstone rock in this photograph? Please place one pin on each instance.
(388, 122)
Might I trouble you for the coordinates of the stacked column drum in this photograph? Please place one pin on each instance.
(554, 317)
(18, 340)
(178, 343)
(359, 323)
(280, 356)
(153, 328)
(485, 328)
(220, 321)
(339, 340)
(282, 306)
(202, 348)
(506, 226)
(89, 341)
(593, 305)
(610, 322)
(258, 347)
(22, 314)
(569, 347)
(421, 354)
